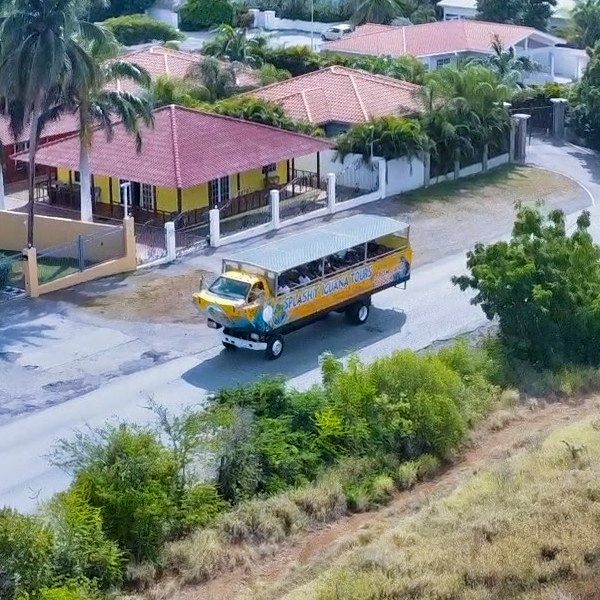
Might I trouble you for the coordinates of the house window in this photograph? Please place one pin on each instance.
(21, 147)
(147, 196)
(218, 191)
(267, 169)
(442, 62)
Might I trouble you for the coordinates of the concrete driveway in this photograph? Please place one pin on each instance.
(62, 367)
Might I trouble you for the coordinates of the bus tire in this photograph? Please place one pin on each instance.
(274, 347)
(358, 313)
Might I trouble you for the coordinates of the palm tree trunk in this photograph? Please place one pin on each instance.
(85, 183)
(2, 202)
(33, 141)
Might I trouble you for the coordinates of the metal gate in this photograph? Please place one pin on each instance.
(540, 118)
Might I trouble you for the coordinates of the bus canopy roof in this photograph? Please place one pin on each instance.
(304, 247)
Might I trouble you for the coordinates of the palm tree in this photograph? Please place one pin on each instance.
(42, 54)
(100, 107)
(235, 45)
(506, 65)
(378, 11)
(216, 79)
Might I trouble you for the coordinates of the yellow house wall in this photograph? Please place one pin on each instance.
(196, 197)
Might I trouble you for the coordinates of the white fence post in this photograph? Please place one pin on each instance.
(331, 183)
(170, 240)
(382, 178)
(214, 227)
(274, 209)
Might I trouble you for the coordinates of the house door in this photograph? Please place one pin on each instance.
(219, 191)
(130, 190)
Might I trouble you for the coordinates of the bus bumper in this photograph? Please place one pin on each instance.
(240, 343)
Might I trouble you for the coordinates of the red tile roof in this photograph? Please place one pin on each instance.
(342, 95)
(185, 148)
(428, 39)
(158, 61)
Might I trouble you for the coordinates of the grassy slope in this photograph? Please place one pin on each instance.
(528, 530)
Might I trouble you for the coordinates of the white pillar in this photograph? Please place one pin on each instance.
(382, 178)
(214, 227)
(331, 192)
(274, 194)
(559, 106)
(170, 240)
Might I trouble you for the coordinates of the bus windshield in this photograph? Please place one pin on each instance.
(230, 288)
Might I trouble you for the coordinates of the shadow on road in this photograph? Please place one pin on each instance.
(302, 351)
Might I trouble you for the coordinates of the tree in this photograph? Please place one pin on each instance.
(378, 11)
(585, 23)
(585, 113)
(216, 79)
(543, 287)
(235, 45)
(167, 90)
(99, 107)
(532, 13)
(42, 54)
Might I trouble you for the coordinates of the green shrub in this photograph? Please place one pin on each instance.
(26, 547)
(427, 465)
(381, 489)
(271, 74)
(321, 502)
(73, 590)
(407, 475)
(81, 547)
(5, 273)
(201, 505)
(139, 29)
(132, 478)
(251, 522)
(202, 14)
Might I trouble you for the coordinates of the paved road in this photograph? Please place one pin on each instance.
(61, 368)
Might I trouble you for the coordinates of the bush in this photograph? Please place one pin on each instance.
(270, 74)
(132, 478)
(25, 552)
(202, 14)
(81, 547)
(381, 489)
(5, 273)
(201, 505)
(70, 591)
(407, 475)
(139, 29)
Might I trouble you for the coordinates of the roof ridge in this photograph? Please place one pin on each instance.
(175, 139)
(306, 106)
(359, 98)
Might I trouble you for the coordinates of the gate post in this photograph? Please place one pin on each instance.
(331, 183)
(214, 227)
(382, 166)
(170, 241)
(520, 138)
(30, 272)
(559, 106)
(274, 194)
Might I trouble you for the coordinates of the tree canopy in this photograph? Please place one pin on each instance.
(533, 13)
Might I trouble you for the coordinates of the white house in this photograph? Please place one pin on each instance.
(467, 9)
(445, 42)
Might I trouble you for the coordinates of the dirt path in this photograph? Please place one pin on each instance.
(289, 566)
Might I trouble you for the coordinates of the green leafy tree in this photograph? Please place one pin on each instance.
(388, 137)
(26, 547)
(43, 53)
(81, 548)
(131, 477)
(233, 44)
(216, 78)
(584, 29)
(99, 10)
(543, 287)
(407, 68)
(168, 90)
(532, 13)
(202, 14)
(585, 111)
(298, 60)
(270, 74)
(141, 29)
(378, 11)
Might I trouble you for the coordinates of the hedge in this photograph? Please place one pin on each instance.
(140, 29)
(202, 14)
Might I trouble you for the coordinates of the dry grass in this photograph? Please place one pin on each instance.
(527, 530)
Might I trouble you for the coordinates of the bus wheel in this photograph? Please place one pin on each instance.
(274, 347)
(357, 313)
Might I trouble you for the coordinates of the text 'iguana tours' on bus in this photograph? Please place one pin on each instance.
(272, 289)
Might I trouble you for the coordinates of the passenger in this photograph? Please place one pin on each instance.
(282, 286)
(304, 279)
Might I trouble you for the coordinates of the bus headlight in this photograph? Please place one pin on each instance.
(255, 337)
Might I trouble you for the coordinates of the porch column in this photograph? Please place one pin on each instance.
(179, 200)
(110, 194)
(289, 173)
(559, 106)
(318, 168)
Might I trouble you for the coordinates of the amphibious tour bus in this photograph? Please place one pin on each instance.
(270, 290)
